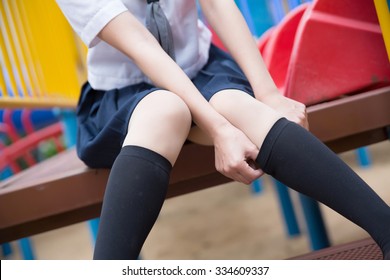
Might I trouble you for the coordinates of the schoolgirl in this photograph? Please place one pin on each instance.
(155, 80)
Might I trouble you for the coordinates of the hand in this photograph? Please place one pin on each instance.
(289, 108)
(235, 155)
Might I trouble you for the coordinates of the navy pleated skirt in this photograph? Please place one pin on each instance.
(103, 116)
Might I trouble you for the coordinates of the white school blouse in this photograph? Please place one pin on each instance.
(107, 67)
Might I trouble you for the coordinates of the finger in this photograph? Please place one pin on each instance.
(248, 173)
(251, 155)
(301, 119)
(235, 176)
(253, 164)
(241, 178)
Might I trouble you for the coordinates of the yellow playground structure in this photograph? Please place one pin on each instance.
(42, 62)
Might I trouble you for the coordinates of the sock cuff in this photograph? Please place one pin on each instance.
(269, 142)
(147, 154)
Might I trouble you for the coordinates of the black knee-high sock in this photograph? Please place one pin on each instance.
(135, 193)
(295, 157)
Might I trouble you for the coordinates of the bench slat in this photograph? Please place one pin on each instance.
(364, 249)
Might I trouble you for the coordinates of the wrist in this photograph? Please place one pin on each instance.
(219, 128)
(210, 121)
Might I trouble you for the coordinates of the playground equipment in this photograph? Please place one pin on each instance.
(338, 49)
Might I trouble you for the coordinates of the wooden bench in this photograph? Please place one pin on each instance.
(62, 191)
(364, 249)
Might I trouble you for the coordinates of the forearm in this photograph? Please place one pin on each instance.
(128, 35)
(230, 26)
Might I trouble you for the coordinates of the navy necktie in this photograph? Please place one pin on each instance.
(158, 25)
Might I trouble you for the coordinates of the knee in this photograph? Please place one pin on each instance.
(161, 123)
(229, 100)
(173, 111)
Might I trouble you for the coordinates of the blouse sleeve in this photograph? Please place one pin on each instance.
(88, 17)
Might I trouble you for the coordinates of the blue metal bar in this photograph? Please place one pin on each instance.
(5, 173)
(257, 186)
(293, 4)
(6, 249)
(94, 226)
(70, 127)
(26, 247)
(315, 224)
(363, 156)
(287, 208)
(276, 7)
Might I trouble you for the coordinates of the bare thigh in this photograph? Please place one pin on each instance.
(160, 122)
